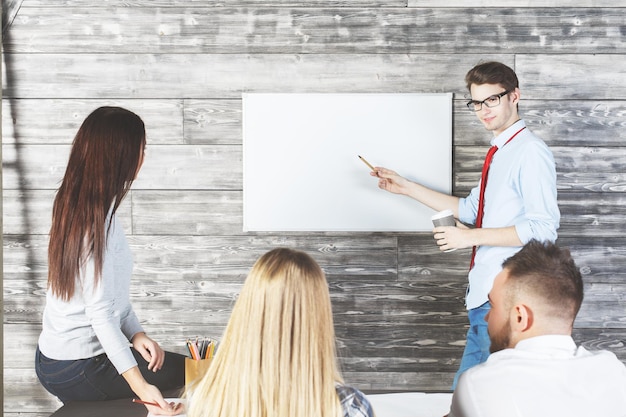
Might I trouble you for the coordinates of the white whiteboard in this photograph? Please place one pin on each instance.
(301, 170)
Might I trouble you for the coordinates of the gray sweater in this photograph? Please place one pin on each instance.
(98, 319)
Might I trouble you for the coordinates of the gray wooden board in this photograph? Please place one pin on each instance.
(312, 30)
(182, 65)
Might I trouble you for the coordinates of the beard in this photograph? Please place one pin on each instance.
(500, 339)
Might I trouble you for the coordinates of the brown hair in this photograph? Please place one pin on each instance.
(548, 273)
(103, 163)
(492, 73)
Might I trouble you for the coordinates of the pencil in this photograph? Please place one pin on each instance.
(135, 400)
(367, 163)
(193, 350)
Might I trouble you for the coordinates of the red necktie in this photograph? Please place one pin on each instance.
(483, 186)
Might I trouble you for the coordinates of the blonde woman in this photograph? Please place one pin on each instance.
(277, 356)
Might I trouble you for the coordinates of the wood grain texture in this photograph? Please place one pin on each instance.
(56, 121)
(601, 259)
(517, 3)
(579, 169)
(219, 3)
(599, 214)
(165, 167)
(227, 76)
(208, 167)
(205, 213)
(218, 121)
(201, 76)
(213, 122)
(558, 123)
(307, 30)
(30, 211)
(583, 77)
(334, 3)
(182, 65)
(10, 8)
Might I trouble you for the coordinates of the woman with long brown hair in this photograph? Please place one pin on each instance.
(277, 357)
(88, 322)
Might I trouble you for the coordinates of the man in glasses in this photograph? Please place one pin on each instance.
(514, 202)
(535, 368)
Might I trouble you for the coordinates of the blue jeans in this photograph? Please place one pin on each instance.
(96, 378)
(477, 344)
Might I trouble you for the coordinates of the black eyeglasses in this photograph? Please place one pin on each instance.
(491, 101)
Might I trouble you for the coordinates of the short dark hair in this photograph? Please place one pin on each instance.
(492, 73)
(548, 272)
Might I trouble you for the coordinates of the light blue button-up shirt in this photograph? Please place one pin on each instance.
(521, 192)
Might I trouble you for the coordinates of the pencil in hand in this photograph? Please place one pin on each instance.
(135, 400)
(368, 164)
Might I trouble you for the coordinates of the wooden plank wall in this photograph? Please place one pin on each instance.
(182, 65)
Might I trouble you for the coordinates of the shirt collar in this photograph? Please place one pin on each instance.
(553, 342)
(503, 137)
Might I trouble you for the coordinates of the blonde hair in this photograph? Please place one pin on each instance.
(277, 356)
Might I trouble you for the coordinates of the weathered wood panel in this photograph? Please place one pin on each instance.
(9, 11)
(213, 257)
(30, 211)
(603, 306)
(218, 121)
(334, 3)
(205, 213)
(579, 169)
(185, 282)
(182, 65)
(165, 167)
(598, 214)
(613, 340)
(516, 3)
(558, 123)
(27, 212)
(208, 167)
(568, 159)
(597, 77)
(22, 395)
(583, 181)
(197, 258)
(56, 121)
(309, 30)
(600, 258)
(27, 394)
(213, 122)
(227, 76)
(219, 3)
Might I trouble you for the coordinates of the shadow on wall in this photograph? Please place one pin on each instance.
(9, 11)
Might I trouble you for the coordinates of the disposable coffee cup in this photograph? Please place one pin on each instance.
(444, 218)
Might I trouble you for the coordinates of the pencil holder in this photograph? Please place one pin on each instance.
(194, 370)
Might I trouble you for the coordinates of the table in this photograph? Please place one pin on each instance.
(405, 404)
(112, 408)
(411, 404)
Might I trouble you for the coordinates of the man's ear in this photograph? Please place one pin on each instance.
(516, 95)
(522, 318)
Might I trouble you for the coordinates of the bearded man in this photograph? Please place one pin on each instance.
(535, 368)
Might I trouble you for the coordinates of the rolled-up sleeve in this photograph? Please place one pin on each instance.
(537, 189)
